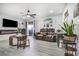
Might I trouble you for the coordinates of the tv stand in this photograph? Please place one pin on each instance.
(2, 32)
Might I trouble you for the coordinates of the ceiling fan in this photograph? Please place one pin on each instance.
(28, 14)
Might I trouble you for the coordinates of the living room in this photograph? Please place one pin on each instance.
(38, 23)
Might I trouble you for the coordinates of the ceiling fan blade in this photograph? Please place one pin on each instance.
(33, 14)
(28, 13)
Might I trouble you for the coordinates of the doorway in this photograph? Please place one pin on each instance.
(30, 28)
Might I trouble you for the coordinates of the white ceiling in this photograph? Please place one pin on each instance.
(41, 9)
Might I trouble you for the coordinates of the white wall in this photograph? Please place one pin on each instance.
(76, 27)
(39, 24)
(57, 20)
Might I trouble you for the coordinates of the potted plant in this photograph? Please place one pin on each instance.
(69, 30)
(19, 30)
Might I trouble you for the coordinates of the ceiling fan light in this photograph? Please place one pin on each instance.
(28, 15)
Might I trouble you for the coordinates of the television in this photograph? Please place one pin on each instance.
(9, 23)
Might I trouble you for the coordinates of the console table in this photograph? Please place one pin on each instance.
(2, 32)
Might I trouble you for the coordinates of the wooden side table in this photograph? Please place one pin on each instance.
(70, 49)
(70, 46)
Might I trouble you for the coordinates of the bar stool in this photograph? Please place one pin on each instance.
(21, 41)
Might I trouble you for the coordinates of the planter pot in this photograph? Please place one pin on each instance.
(19, 34)
(70, 38)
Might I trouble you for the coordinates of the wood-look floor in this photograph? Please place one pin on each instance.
(36, 48)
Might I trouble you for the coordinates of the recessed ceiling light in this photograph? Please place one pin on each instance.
(24, 17)
(51, 11)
